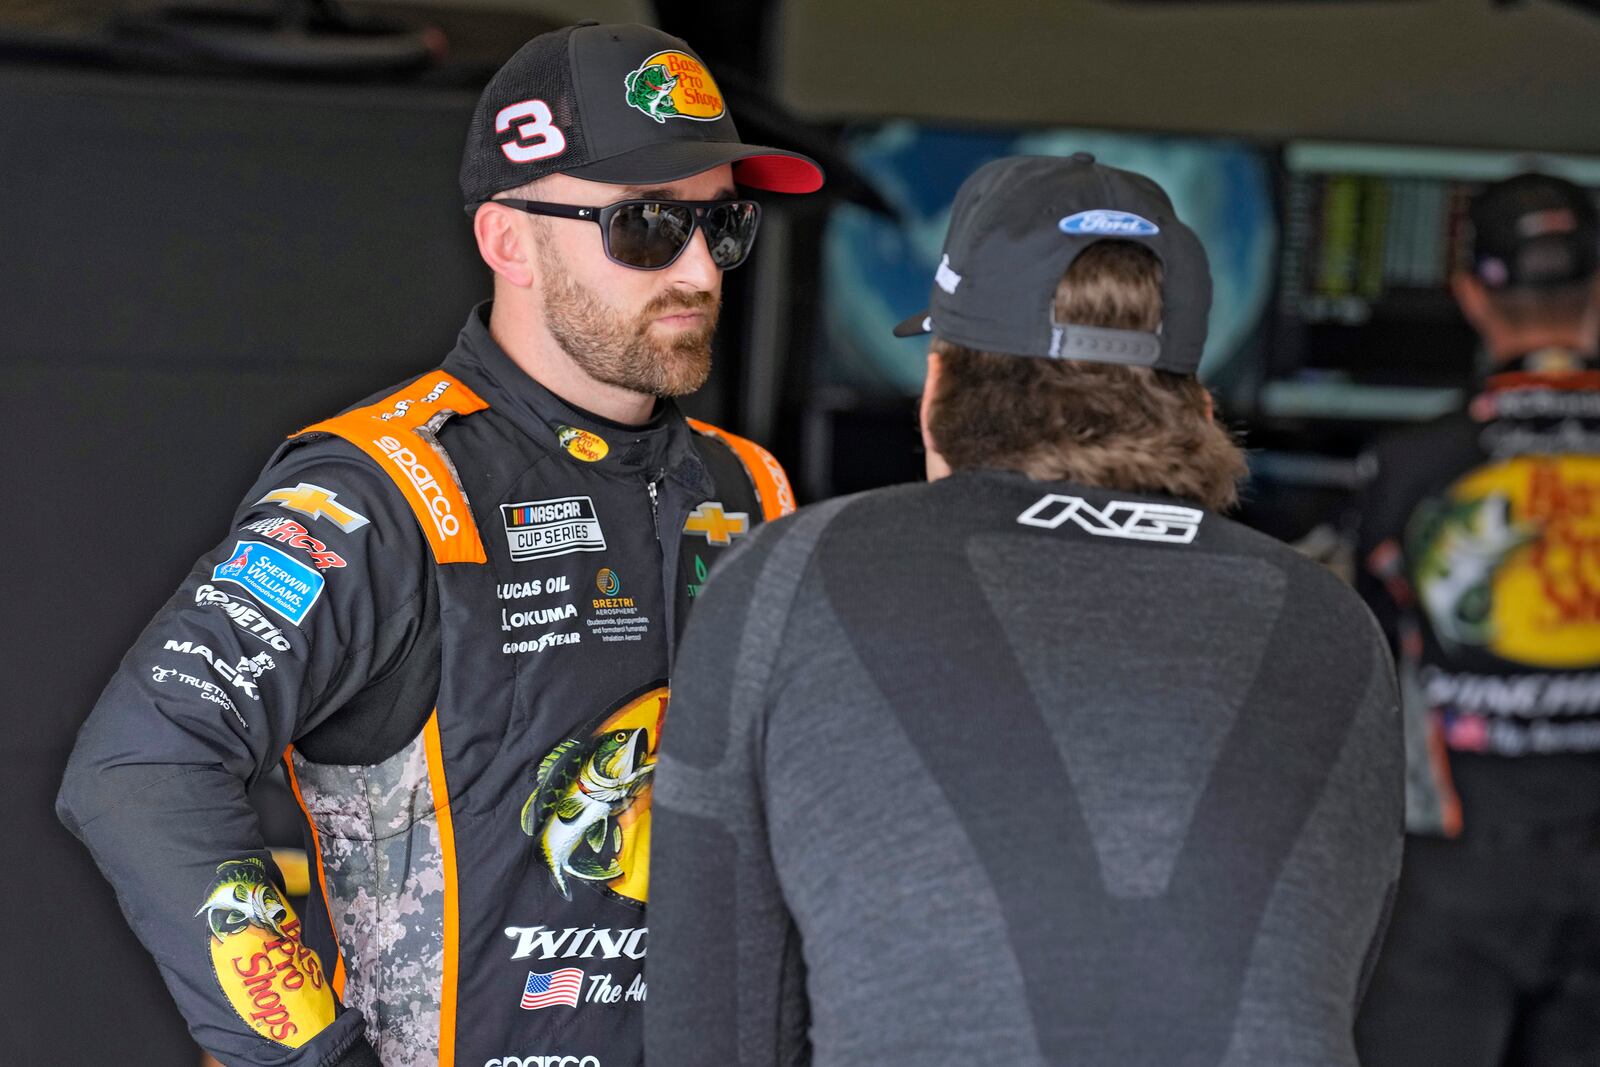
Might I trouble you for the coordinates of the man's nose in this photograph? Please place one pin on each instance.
(695, 267)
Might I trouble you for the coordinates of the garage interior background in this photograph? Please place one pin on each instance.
(208, 239)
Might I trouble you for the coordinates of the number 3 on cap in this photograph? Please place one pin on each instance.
(538, 139)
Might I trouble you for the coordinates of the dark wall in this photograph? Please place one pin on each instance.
(189, 270)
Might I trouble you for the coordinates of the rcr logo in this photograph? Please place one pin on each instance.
(543, 1061)
(1128, 519)
(444, 521)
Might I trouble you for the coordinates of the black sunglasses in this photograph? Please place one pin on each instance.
(652, 234)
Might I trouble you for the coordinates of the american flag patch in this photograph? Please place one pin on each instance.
(548, 990)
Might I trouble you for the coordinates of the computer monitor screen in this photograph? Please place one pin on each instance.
(1371, 234)
(878, 270)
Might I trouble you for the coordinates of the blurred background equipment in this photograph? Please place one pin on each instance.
(222, 224)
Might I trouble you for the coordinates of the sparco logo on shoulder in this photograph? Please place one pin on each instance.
(554, 1060)
(1131, 520)
(444, 520)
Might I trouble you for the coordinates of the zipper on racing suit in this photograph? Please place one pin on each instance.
(655, 502)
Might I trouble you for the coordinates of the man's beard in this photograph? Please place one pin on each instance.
(617, 350)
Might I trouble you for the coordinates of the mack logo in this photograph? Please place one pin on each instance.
(317, 502)
(1103, 220)
(1129, 519)
(578, 943)
(243, 615)
(241, 675)
(422, 480)
(539, 528)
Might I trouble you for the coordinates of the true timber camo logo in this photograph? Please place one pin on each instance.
(674, 85)
(273, 981)
(589, 812)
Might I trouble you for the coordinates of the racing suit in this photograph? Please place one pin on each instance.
(448, 613)
(1478, 536)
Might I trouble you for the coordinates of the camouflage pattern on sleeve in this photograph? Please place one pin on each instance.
(385, 873)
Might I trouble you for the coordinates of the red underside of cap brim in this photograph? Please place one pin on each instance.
(778, 174)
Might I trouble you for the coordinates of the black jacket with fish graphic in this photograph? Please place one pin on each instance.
(1479, 551)
(448, 613)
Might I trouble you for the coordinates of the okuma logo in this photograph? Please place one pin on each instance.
(1106, 221)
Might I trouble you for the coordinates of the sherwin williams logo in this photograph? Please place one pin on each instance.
(581, 444)
(283, 584)
(674, 85)
(273, 981)
(1111, 223)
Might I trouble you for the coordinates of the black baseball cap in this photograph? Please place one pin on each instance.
(1016, 226)
(624, 104)
(1533, 231)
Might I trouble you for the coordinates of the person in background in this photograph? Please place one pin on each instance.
(1479, 547)
(449, 613)
(1043, 761)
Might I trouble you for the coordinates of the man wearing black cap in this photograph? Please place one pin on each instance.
(449, 611)
(1478, 535)
(1044, 762)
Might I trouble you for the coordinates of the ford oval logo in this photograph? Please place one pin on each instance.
(1103, 221)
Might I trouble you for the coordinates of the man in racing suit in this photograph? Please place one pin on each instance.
(1478, 536)
(449, 613)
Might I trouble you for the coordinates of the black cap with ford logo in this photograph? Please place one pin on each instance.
(1016, 226)
(623, 104)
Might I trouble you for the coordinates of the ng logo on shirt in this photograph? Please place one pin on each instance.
(1131, 520)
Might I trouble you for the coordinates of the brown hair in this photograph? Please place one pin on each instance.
(1101, 424)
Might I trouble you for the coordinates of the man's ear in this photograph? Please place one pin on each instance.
(934, 462)
(1471, 298)
(505, 243)
(930, 385)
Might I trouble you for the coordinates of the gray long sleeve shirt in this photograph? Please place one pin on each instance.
(993, 771)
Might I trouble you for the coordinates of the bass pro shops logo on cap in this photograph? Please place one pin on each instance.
(1111, 223)
(674, 85)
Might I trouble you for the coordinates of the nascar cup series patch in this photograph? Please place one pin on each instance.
(674, 85)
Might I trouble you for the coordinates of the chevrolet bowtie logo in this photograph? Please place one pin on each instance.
(317, 502)
(715, 525)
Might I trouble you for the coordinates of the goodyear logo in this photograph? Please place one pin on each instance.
(674, 85)
(581, 444)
